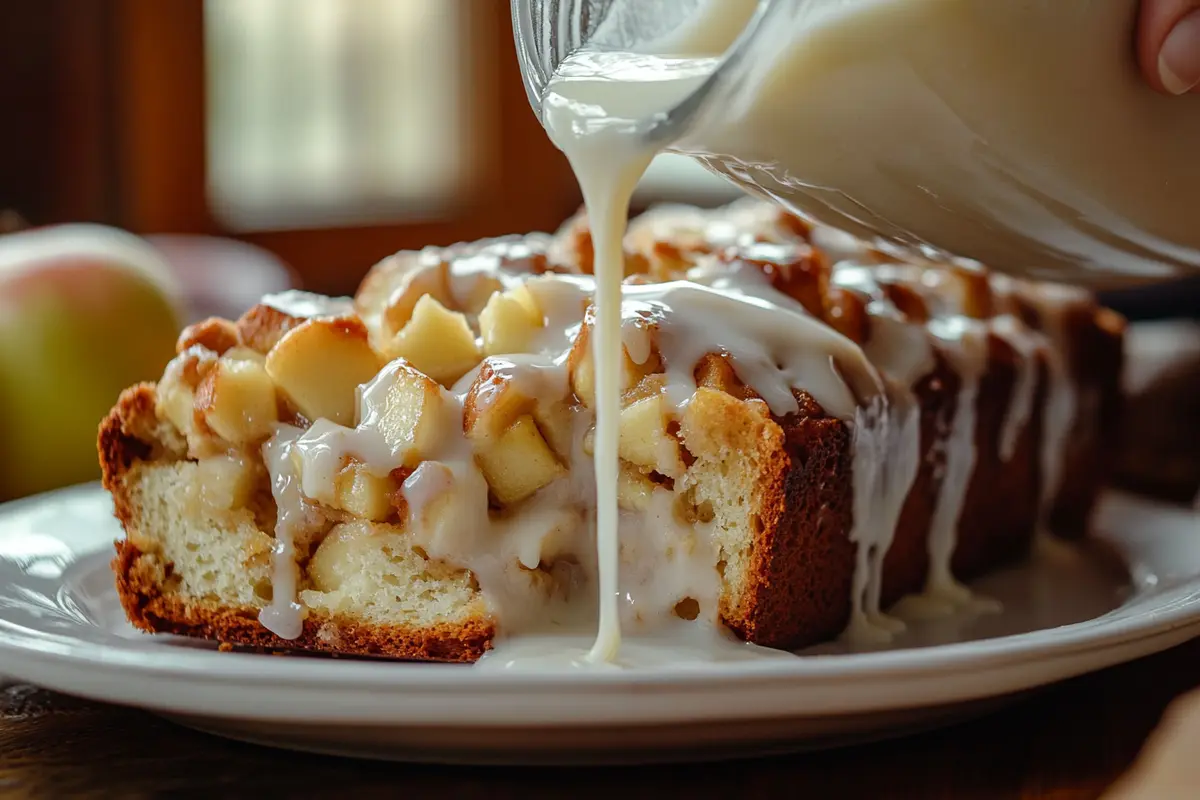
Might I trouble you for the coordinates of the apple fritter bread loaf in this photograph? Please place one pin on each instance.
(408, 473)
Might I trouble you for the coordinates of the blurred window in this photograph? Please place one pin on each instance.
(336, 112)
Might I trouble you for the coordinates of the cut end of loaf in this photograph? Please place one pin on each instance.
(195, 559)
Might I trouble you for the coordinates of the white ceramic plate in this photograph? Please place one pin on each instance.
(1133, 591)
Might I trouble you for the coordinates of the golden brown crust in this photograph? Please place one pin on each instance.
(215, 334)
(803, 560)
(123, 442)
(128, 436)
(907, 561)
(139, 585)
(261, 327)
(1000, 511)
(1096, 359)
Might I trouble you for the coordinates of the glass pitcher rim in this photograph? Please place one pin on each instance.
(538, 64)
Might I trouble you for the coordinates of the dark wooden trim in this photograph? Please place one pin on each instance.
(55, 139)
(159, 104)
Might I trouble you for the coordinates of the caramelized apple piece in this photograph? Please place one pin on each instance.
(430, 278)
(410, 412)
(518, 462)
(509, 321)
(794, 269)
(634, 490)
(175, 396)
(354, 489)
(492, 403)
(437, 341)
(906, 301)
(237, 398)
(970, 286)
(714, 371)
(644, 440)
(846, 313)
(319, 365)
(582, 369)
(363, 494)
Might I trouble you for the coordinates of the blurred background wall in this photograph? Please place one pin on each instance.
(328, 132)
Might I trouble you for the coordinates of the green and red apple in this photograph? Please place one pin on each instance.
(85, 311)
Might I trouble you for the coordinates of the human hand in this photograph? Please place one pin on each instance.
(1168, 45)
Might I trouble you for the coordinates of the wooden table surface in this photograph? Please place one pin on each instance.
(1070, 741)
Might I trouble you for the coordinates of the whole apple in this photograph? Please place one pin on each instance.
(85, 311)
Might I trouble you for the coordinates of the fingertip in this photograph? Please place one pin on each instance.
(1168, 45)
(1179, 57)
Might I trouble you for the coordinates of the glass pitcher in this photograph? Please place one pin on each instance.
(1017, 134)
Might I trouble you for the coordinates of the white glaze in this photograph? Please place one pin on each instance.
(1026, 344)
(966, 346)
(284, 616)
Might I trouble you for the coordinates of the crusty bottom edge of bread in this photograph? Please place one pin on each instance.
(150, 610)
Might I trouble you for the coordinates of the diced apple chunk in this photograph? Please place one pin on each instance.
(509, 321)
(644, 440)
(634, 490)
(556, 421)
(492, 403)
(175, 396)
(409, 412)
(319, 365)
(340, 555)
(237, 399)
(226, 482)
(582, 368)
(353, 489)
(437, 341)
(363, 494)
(429, 279)
(176, 403)
(583, 371)
(519, 462)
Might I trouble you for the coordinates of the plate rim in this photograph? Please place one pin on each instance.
(1172, 617)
